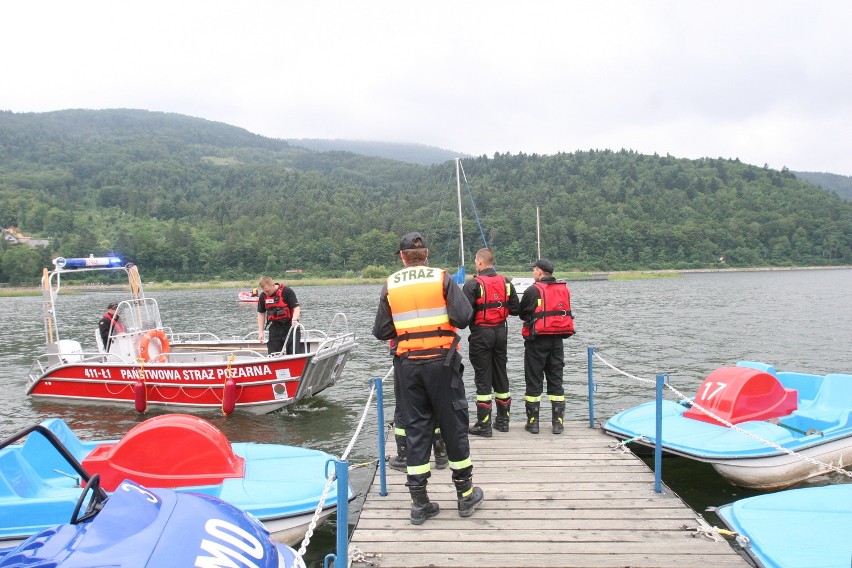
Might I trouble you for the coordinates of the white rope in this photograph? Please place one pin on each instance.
(751, 435)
(715, 533)
(332, 477)
(619, 371)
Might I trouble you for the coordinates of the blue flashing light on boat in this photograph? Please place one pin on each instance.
(91, 261)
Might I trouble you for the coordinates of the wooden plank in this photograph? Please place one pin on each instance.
(660, 547)
(498, 522)
(496, 498)
(527, 535)
(548, 560)
(568, 500)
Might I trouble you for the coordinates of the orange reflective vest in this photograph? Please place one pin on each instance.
(419, 311)
(552, 315)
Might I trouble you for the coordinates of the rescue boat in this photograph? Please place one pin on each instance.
(774, 424)
(41, 479)
(248, 296)
(145, 365)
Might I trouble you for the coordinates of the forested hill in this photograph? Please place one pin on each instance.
(841, 185)
(187, 198)
(411, 153)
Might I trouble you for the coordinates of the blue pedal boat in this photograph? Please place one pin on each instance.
(796, 528)
(801, 415)
(136, 527)
(41, 479)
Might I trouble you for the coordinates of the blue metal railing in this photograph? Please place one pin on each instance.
(658, 449)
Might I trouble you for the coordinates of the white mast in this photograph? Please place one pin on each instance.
(458, 193)
(537, 232)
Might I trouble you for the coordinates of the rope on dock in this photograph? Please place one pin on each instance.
(715, 533)
(622, 445)
(332, 477)
(751, 435)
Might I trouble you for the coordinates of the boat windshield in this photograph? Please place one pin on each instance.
(138, 315)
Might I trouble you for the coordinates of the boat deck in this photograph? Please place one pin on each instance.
(566, 500)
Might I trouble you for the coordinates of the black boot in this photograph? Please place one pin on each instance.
(502, 420)
(421, 507)
(398, 462)
(469, 496)
(532, 417)
(483, 420)
(558, 417)
(441, 459)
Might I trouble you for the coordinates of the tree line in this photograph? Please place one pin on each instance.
(189, 199)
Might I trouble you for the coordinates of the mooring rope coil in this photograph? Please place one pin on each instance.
(709, 413)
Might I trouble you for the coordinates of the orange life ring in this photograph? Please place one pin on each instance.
(160, 336)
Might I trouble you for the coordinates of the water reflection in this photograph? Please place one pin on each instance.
(686, 327)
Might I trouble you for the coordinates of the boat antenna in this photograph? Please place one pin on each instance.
(458, 194)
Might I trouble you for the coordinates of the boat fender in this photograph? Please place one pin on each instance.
(140, 396)
(229, 396)
(161, 338)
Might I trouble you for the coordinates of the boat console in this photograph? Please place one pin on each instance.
(174, 450)
(739, 394)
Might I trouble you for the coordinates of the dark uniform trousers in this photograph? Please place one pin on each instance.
(432, 395)
(488, 355)
(544, 355)
(278, 333)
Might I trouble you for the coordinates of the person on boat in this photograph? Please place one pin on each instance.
(546, 312)
(278, 308)
(493, 298)
(108, 322)
(422, 308)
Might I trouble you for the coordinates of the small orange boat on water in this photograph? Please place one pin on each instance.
(248, 296)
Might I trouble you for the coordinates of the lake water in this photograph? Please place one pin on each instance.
(685, 326)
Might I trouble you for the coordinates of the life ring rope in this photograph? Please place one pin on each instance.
(161, 338)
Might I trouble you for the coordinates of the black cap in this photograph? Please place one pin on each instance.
(412, 241)
(544, 264)
(112, 305)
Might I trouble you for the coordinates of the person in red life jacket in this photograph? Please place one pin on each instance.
(546, 312)
(493, 298)
(423, 308)
(278, 308)
(108, 322)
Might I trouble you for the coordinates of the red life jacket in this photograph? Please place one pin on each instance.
(552, 315)
(491, 305)
(116, 325)
(276, 308)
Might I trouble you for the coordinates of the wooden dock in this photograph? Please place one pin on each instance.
(550, 501)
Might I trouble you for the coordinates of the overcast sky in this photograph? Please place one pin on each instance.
(767, 81)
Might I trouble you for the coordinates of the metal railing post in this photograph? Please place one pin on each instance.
(341, 558)
(658, 442)
(590, 352)
(380, 413)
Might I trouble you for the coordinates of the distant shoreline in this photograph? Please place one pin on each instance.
(752, 269)
(248, 285)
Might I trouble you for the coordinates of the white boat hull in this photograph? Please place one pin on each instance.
(784, 470)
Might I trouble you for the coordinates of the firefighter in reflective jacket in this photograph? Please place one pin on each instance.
(546, 312)
(493, 298)
(422, 308)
